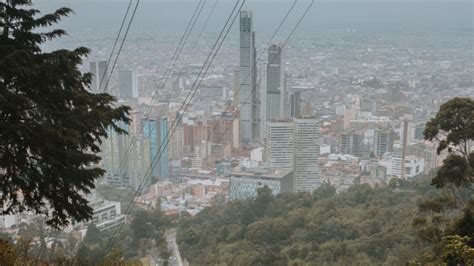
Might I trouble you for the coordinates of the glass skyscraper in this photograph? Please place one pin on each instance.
(249, 125)
(150, 131)
(273, 108)
(163, 161)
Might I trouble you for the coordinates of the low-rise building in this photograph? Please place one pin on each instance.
(244, 184)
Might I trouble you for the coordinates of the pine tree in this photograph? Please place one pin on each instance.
(51, 126)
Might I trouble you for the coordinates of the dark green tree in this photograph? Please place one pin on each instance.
(51, 126)
(93, 236)
(7, 253)
(453, 129)
(141, 226)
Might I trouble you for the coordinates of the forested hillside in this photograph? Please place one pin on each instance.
(360, 226)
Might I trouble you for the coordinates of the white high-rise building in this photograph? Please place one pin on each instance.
(249, 121)
(307, 133)
(294, 144)
(99, 76)
(280, 144)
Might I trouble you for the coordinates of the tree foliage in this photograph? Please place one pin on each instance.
(361, 226)
(447, 222)
(50, 126)
(453, 129)
(7, 253)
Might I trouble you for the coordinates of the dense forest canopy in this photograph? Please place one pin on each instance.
(359, 226)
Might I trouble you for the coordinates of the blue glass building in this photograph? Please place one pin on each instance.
(150, 131)
(163, 161)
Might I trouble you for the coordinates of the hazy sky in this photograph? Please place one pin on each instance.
(168, 15)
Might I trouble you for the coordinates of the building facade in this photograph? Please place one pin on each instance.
(307, 132)
(383, 142)
(128, 84)
(98, 69)
(280, 144)
(245, 184)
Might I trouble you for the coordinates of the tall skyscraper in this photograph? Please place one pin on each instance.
(249, 124)
(128, 84)
(307, 132)
(140, 162)
(163, 159)
(236, 87)
(115, 161)
(407, 133)
(150, 131)
(98, 71)
(274, 84)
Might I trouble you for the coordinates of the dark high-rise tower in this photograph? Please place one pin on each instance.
(249, 124)
(128, 84)
(274, 84)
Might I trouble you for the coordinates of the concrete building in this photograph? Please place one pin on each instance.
(294, 144)
(295, 104)
(383, 142)
(407, 168)
(307, 132)
(128, 84)
(98, 69)
(140, 162)
(244, 184)
(351, 142)
(280, 144)
(115, 160)
(106, 215)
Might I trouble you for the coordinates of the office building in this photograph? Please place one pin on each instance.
(249, 125)
(295, 104)
(351, 142)
(383, 142)
(244, 184)
(307, 132)
(150, 131)
(140, 161)
(398, 167)
(294, 144)
(280, 144)
(274, 90)
(163, 157)
(98, 69)
(114, 157)
(128, 84)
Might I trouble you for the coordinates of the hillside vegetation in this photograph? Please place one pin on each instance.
(362, 226)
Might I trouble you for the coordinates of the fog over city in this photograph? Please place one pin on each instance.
(236, 132)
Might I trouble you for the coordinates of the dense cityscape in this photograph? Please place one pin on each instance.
(293, 113)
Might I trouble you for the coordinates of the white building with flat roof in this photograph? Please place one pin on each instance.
(244, 184)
